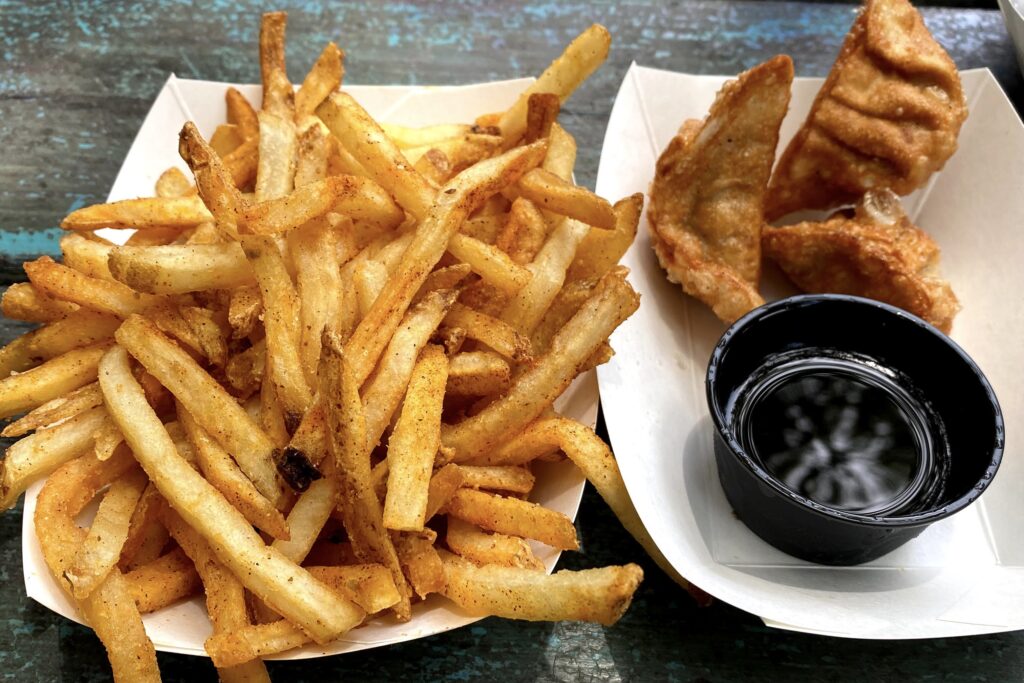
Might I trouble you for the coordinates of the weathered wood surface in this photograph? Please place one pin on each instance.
(75, 83)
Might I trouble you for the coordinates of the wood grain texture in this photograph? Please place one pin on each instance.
(75, 83)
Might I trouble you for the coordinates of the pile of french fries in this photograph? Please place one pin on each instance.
(312, 383)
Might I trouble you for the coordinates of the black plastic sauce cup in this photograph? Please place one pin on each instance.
(933, 364)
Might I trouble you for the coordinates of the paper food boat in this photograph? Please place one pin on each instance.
(962, 576)
(184, 627)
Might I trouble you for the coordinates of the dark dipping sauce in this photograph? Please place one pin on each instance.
(842, 431)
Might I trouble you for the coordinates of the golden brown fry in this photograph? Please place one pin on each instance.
(281, 318)
(561, 156)
(313, 155)
(461, 152)
(221, 471)
(541, 112)
(579, 59)
(524, 232)
(86, 255)
(358, 198)
(414, 441)
(174, 183)
(434, 166)
(147, 537)
(484, 547)
(551, 193)
(106, 440)
(484, 228)
(140, 214)
(478, 373)
(314, 252)
(22, 301)
(52, 379)
(363, 138)
(368, 585)
(212, 407)
(285, 587)
(513, 516)
(406, 137)
(244, 311)
(707, 198)
(110, 609)
(368, 279)
(491, 263)
(348, 445)
(491, 331)
(536, 388)
(308, 516)
(180, 268)
(216, 186)
(103, 296)
(509, 478)
(420, 562)
(601, 250)
(241, 114)
(877, 253)
(242, 165)
(323, 79)
(57, 410)
(600, 595)
(278, 151)
(887, 116)
(163, 581)
(443, 485)
(78, 329)
(461, 196)
(226, 139)
(278, 95)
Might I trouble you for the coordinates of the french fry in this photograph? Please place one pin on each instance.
(174, 183)
(226, 138)
(281, 319)
(78, 329)
(574, 293)
(448, 277)
(536, 388)
(22, 301)
(279, 142)
(358, 198)
(221, 471)
(54, 378)
(561, 156)
(413, 443)
(212, 407)
(57, 410)
(348, 446)
(244, 370)
(553, 194)
(110, 610)
(86, 255)
(181, 268)
(363, 138)
(307, 518)
(601, 250)
(405, 136)
(443, 485)
(461, 196)
(147, 536)
(461, 152)
(580, 59)
(434, 166)
(241, 113)
(140, 214)
(490, 263)
(225, 595)
(478, 373)
(106, 440)
(525, 310)
(39, 454)
(314, 153)
(244, 311)
(162, 582)
(514, 517)
(541, 112)
(103, 296)
(368, 585)
(507, 478)
(323, 79)
(217, 186)
(484, 228)
(491, 331)
(285, 587)
(385, 389)
(483, 547)
(420, 562)
(314, 252)
(278, 95)
(524, 232)
(600, 595)
(368, 278)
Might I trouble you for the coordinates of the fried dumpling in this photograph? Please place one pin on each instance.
(876, 252)
(707, 197)
(887, 116)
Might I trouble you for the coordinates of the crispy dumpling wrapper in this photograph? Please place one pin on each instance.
(887, 116)
(707, 197)
(876, 253)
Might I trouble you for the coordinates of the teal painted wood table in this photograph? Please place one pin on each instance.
(76, 80)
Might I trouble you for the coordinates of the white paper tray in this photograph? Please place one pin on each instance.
(184, 627)
(961, 576)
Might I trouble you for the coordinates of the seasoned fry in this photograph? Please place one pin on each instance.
(541, 112)
(314, 252)
(57, 410)
(103, 296)
(483, 547)
(368, 279)
(420, 562)
(406, 137)
(492, 264)
(78, 329)
(241, 113)
(307, 518)
(180, 268)
(513, 516)
(561, 156)
(548, 191)
(600, 595)
(147, 537)
(462, 195)
(537, 387)
(163, 581)
(174, 183)
(580, 59)
(314, 154)
(413, 443)
(226, 139)
(244, 311)
(52, 379)
(110, 609)
(495, 333)
(279, 142)
(497, 478)
(285, 587)
(106, 440)
(358, 198)
(278, 95)
(524, 232)
(86, 255)
(22, 301)
(140, 214)
(323, 79)
(215, 184)
(212, 407)
(601, 250)
(478, 373)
